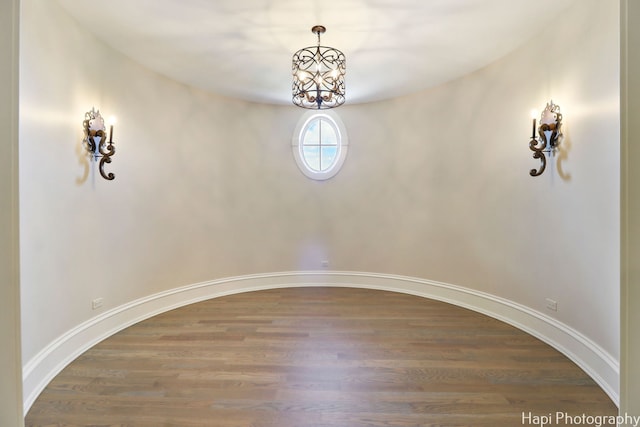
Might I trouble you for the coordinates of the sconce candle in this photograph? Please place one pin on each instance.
(95, 140)
(112, 121)
(550, 136)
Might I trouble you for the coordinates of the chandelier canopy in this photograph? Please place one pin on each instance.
(318, 75)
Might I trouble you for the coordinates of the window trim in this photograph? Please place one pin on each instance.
(297, 146)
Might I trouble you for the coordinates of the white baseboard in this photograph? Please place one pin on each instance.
(596, 362)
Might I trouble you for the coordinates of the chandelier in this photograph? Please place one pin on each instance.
(318, 75)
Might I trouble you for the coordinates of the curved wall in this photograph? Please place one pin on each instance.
(435, 186)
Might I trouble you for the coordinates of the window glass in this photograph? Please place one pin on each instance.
(319, 145)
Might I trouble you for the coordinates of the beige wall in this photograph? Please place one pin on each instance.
(451, 167)
(10, 363)
(435, 185)
(630, 323)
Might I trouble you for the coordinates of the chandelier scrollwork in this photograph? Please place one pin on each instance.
(318, 75)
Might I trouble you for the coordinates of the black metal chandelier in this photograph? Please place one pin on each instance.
(318, 75)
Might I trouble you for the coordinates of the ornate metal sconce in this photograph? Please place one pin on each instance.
(549, 136)
(95, 140)
(318, 75)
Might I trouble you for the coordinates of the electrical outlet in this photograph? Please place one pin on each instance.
(325, 264)
(552, 304)
(96, 303)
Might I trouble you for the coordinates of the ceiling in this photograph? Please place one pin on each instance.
(243, 48)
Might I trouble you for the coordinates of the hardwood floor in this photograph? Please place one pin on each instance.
(302, 357)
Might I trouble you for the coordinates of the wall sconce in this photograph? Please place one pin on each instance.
(549, 135)
(95, 140)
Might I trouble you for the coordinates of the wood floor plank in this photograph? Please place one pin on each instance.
(317, 357)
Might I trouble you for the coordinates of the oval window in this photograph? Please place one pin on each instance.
(320, 145)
